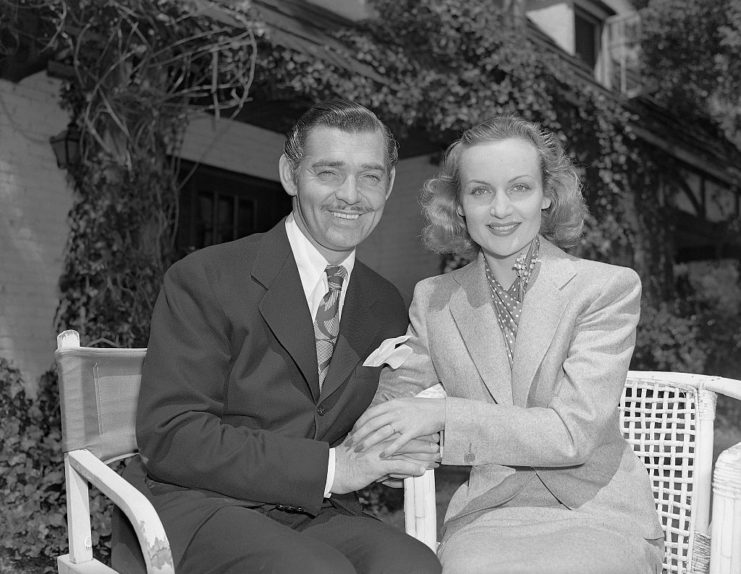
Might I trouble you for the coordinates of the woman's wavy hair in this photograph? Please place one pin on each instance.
(562, 221)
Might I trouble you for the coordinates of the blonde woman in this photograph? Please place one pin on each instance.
(532, 346)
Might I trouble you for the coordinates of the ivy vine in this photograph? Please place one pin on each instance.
(141, 69)
(446, 70)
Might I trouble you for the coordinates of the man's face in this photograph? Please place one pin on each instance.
(339, 188)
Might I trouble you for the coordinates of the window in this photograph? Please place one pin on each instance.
(623, 59)
(702, 208)
(587, 36)
(218, 205)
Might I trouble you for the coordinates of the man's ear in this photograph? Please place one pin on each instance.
(286, 176)
(392, 177)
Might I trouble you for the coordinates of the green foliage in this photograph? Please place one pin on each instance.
(33, 521)
(380, 500)
(31, 470)
(691, 56)
(118, 250)
(443, 70)
(141, 69)
(711, 290)
(449, 64)
(700, 331)
(668, 341)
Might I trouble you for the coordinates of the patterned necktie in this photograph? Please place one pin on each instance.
(327, 321)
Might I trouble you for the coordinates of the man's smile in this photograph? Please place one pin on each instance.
(352, 215)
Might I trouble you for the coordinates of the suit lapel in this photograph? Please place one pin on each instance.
(358, 329)
(541, 314)
(474, 316)
(283, 307)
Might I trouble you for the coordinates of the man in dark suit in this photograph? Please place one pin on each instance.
(249, 388)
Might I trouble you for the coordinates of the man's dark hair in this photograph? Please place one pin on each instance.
(343, 115)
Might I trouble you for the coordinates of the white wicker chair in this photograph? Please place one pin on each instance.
(668, 419)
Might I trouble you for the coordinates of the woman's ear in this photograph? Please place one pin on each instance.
(546, 203)
(459, 210)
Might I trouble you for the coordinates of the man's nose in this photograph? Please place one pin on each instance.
(500, 206)
(348, 191)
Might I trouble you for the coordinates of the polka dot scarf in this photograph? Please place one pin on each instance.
(508, 302)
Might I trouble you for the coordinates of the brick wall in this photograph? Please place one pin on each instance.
(34, 201)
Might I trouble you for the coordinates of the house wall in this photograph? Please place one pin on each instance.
(556, 19)
(235, 146)
(34, 202)
(394, 249)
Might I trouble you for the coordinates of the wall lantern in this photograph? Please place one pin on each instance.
(66, 146)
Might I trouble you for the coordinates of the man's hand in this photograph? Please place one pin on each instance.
(397, 422)
(357, 469)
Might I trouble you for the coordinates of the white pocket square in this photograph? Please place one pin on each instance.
(389, 354)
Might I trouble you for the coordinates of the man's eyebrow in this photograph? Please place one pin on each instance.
(327, 163)
(378, 166)
(337, 163)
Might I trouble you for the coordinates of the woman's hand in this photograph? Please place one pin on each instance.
(399, 421)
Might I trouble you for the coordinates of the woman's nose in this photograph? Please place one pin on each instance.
(500, 205)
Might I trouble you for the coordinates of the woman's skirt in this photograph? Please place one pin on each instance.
(535, 534)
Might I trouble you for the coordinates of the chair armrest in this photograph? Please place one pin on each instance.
(725, 542)
(144, 519)
(420, 512)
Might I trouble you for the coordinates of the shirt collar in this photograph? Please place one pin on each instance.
(311, 264)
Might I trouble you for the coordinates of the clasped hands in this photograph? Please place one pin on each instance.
(389, 442)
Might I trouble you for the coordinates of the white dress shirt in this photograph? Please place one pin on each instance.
(311, 269)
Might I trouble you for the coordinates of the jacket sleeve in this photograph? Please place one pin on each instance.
(586, 392)
(417, 372)
(180, 431)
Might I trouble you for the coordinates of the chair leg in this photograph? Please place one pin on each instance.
(78, 515)
(725, 553)
(66, 566)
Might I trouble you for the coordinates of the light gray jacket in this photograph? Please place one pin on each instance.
(555, 412)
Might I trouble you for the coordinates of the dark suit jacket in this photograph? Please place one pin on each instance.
(230, 411)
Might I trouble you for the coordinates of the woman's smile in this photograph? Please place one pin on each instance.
(503, 228)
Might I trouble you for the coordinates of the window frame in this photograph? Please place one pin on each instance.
(270, 203)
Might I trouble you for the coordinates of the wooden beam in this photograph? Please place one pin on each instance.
(726, 173)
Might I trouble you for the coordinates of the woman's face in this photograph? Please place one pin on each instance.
(501, 198)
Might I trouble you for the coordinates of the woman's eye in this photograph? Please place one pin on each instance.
(479, 190)
(520, 187)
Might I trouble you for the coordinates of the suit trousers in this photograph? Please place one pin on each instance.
(240, 540)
